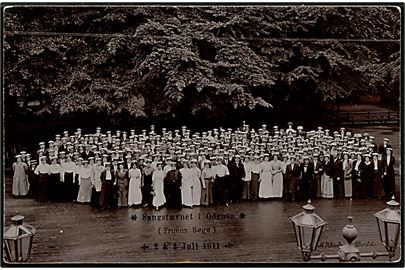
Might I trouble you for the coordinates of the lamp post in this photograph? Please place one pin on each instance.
(389, 225)
(308, 228)
(18, 239)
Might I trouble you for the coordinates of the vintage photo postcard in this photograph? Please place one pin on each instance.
(202, 134)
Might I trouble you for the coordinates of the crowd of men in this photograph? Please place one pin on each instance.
(220, 166)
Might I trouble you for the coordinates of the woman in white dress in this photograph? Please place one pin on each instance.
(85, 189)
(276, 168)
(186, 186)
(195, 175)
(265, 189)
(327, 179)
(135, 191)
(158, 175)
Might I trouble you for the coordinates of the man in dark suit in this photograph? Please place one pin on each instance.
(318, 171)
(338, 178)
(306, 179)
(382, 149)
(389, 174)
(236, 174)
(292, 173)
(87, 153)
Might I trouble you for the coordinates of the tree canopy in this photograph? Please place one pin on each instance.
(153, 60)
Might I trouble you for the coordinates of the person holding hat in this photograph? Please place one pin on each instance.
(292, 174)
(84, 195)
(389, 174)
(377, 177)
(20, 177)
(107, 187)
(134, 189)
(157, 186)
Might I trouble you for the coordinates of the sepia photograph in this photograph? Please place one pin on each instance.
(196, 134)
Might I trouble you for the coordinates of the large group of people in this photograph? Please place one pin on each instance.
(220, 167)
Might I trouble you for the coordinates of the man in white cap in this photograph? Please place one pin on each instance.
(382, 149)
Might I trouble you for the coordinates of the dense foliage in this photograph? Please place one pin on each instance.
(180, 60)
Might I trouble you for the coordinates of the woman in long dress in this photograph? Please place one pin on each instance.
(134, 191)
(20, 177)
(84, 195)
(157, 184)
(55, 180)
(68, 170)
(347, 174)
(42, 171)
(265, 189)
(327, 178)
(195, 174)
(276, 168)
(186, 186)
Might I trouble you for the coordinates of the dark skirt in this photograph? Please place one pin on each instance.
(172, 193)
(95, 198)
(107, 195)
(147, 197)
(33, 180)
(69, 187)
(54, 187)
(220, 190)
(42, 187)
(377, 186)
(255, 185)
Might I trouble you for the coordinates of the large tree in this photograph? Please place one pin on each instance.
(148, 60)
